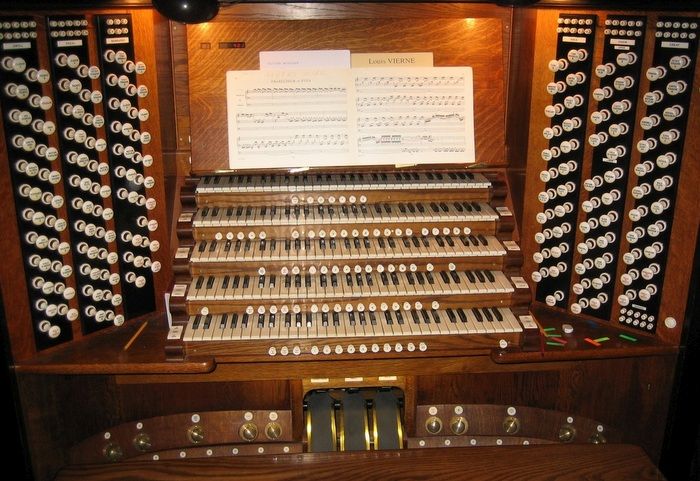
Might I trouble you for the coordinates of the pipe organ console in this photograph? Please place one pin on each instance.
(169, 313)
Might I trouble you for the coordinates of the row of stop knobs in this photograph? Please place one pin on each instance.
(196, 435)
(458, 425)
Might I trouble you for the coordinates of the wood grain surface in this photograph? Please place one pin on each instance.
(534, 463)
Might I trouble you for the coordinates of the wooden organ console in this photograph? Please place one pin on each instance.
(167, 316)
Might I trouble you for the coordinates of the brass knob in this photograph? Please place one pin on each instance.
(273, 431)
(433, 425)
(597, 438)
(248, 432)
(459, 425)
(113, 452)
(511, 425)
(142, 442)
(567, 433)
(195, 434)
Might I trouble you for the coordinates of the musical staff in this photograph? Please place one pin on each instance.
(306, 118)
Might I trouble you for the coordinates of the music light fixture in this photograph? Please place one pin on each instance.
(188, 11)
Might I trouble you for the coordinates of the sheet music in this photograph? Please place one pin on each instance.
(375, 116)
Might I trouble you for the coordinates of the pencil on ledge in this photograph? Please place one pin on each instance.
(136, 334)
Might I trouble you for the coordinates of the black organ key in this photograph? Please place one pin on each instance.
(351, 317)
(244, 320)
(414, 316)
(425, 317)
(261, 320)
(336, 319)
(399, 317)
(309, 319)
(272, 319)
(234, 321)
(435, 316)
(227, 246)
(200, 281)
(288, 319)
(369, 279)
(462, 315)
(236, 281)
(451, 315)
(324, 319)
(202, 246)
(197, 320)
(223, 320)
(210, 282)
(470, 276)
(363, 318)
(372, 318)
(246, 281)
(224, 284)
(297, 319)
(388, 318)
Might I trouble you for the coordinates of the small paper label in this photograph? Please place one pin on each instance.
(185, 217)
(416, 59)
(175, 332)
(504, 211)
(528, 322)
(182, 253)
(574, 39)
(511, 245)
(117, 40)
(179, 290)
(519, 282)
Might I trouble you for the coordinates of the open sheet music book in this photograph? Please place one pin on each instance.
(334, 117)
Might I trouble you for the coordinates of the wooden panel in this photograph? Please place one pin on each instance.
(536, 463)
(475, 42)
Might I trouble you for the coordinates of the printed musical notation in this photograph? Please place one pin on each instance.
(308, 118)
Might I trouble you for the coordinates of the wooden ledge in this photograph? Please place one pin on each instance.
(570, 462)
